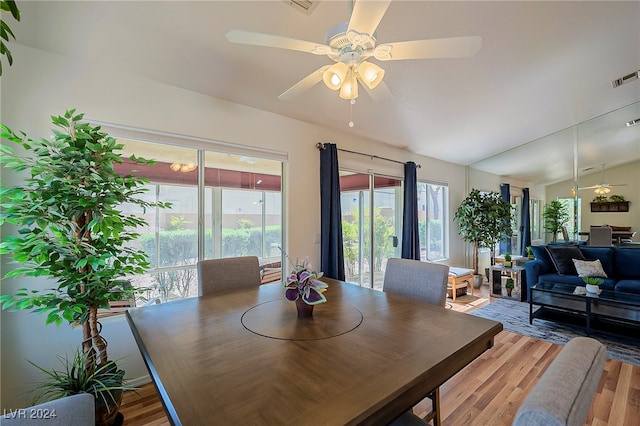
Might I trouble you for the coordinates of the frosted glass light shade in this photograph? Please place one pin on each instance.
(349, 89)
(371, 74)
(335, 76)
(601, 190)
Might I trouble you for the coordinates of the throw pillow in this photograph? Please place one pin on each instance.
(586, 268)
(562, 257)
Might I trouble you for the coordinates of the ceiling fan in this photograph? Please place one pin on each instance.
(352, 44)
(602, 188)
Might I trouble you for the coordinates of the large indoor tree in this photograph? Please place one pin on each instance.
(71, 226)
(483, 219)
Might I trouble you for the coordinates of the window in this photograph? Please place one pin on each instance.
(573, 206)
(222, 205)
(433, 200)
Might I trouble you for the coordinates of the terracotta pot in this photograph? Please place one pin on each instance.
(304, 310)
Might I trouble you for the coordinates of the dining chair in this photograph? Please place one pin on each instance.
(565, 233)
(600, 236)
(72, 410)
(217, 275)
(423, 281)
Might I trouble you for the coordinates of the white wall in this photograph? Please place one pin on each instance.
(39, 85)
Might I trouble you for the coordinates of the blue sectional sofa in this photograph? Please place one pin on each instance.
(553, 263)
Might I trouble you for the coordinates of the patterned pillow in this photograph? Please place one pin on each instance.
(588, 268)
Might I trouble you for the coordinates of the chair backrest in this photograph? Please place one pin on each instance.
(216, 275)
(73, 410)
(565, 233)
(600, 236)
(418, 280)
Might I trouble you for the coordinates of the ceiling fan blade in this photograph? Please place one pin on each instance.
(268, 40)
(306, 83)
(455, 47)
(380, 94)
(602, 185)
(366, 15)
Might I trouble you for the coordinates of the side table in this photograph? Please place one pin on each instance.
(496, 272)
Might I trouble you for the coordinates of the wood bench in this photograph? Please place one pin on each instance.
(459, 278)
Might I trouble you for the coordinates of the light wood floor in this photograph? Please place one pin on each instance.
(487, 392)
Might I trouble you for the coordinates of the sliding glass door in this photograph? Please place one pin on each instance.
(371, 225)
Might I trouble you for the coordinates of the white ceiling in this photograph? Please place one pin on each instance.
(543, 66)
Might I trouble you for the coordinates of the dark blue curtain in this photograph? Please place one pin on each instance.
(331, 254)
(410, 234)
(525, 228)
(505, 191)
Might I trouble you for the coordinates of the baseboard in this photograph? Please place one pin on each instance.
(139, 381)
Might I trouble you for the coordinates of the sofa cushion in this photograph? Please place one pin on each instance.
(542, 256)
(604, 254)
(562, 257)
(589, 268)
(628, 286)
(626, 263)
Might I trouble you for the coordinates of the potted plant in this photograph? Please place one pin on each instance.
(592, 284)
(600, 199)
(106, 382)
(507, 260)
(555, 217)
(616, 198)
(509, 286)
(530, 254)
(6, 34)
(483, 219)
(71, 228)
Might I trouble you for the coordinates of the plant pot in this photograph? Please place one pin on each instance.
(509, 290)
(592, 288)
(477, 281)
(304, 310)
(507, 264)
(107, 413)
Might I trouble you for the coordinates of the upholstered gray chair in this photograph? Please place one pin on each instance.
(563, 395)
(419, 280)
(423, 281)
(216, 275)
(74, 410)
(600, 236)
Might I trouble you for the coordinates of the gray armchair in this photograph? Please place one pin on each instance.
(74, 410)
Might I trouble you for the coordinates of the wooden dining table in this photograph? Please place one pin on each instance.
(244, 357)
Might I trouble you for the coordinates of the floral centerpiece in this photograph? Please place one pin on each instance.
(303, 287)
(303, 283)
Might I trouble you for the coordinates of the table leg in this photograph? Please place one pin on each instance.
(588, 316)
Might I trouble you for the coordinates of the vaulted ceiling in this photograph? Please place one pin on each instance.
(543, 66)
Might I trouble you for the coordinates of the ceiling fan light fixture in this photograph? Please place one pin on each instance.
(371, 74)
(335, 76)
(602, 190)
(349, 89)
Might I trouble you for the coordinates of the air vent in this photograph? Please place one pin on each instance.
(626, 79)
(304, 6)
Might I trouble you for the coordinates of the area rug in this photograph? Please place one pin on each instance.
(514, 316)
(466, 303)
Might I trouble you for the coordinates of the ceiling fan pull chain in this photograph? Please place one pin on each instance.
(351, 102)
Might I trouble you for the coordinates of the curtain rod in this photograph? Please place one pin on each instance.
(320, 146)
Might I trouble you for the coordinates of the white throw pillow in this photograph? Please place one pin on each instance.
(589, 268)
